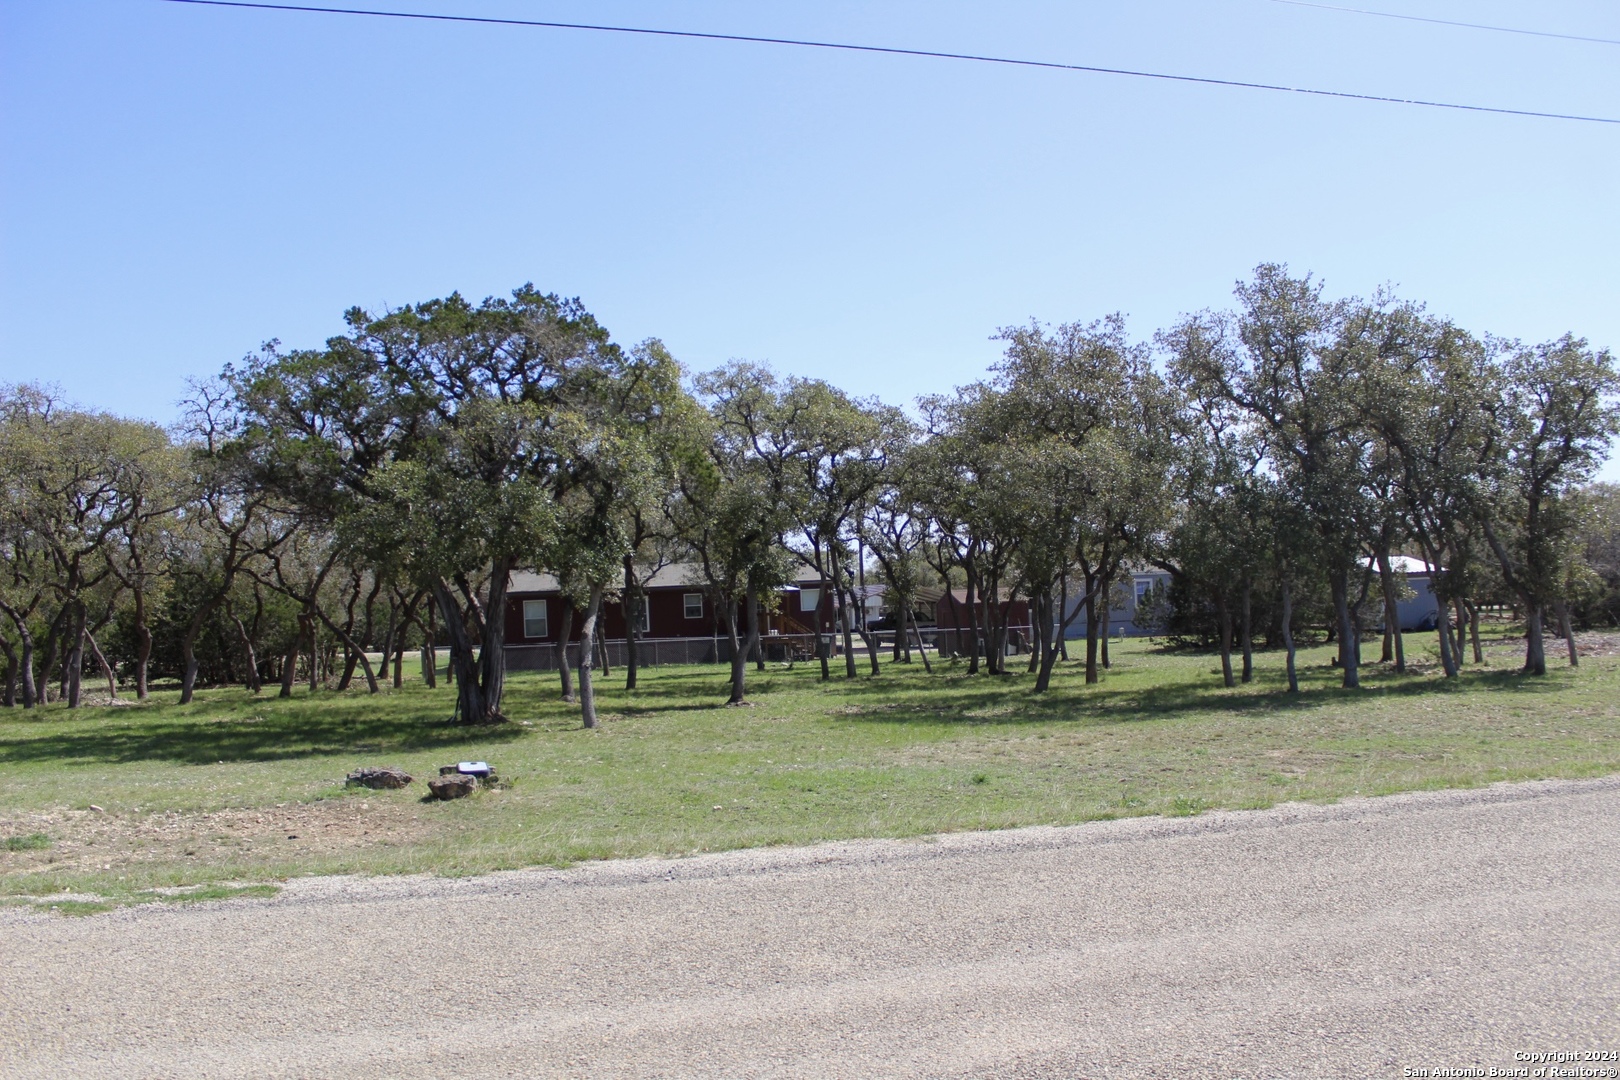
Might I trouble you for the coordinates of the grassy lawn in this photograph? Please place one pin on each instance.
(232, 790)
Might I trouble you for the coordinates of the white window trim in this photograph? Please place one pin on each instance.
(545, 622)
(686, 604)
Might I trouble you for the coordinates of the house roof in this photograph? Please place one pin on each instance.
(960, 595)
(1406, 564)
(672, 576)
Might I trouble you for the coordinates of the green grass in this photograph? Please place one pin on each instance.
(235, 789)
(32, 842)
(96, 903)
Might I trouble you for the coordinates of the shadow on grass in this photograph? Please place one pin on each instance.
(220, 729)
(1010, 700)
(309, 732)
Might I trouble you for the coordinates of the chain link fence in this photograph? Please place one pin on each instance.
(654, 652)
(776, 648)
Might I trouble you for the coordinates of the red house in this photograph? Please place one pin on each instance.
(954, 625)
(678, 623)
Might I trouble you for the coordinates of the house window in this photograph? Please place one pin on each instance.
(1141, 590)
(809, 599)
(643, 615)
(693, 602)
(534, 618)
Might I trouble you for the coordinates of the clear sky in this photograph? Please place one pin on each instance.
(179, 184)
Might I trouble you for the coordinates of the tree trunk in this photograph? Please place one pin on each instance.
(29, 691)
(399, 624)
(1473, 629)
(1288, 633)
(386, 647)
(470, 705)
(1091, 632)
(847, 620)
(1535, 655)
(1448, 657)
(25, 640)
(823, 640)
(1562, 610)
(188, 653)
(10, 699)
(989, 609)
(973, 625)
(47, 654)
(1246, 629)
(587, 633)
(634, 598)
(106, 668)
(1039, 601)
(430, 651)
(1349, 651)
(353, 654)
(1062, 631)
(351, 660)
(565, 630)
(73, 664)
(756, 652)
(1459, 638)
(823, 645)
(1392, 629)
(143, 643)
(846, 630)
(1394, 647)
(1049, 650)
(311, 628)
(252, 681)
(1223, 616)
(492, 654)
(289, 664)
(739, 655)
(922, 648)
(1106, 595)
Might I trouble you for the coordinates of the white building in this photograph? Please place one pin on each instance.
(1140, 608)
(1420, 611)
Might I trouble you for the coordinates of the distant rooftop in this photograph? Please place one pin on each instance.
(667, 577)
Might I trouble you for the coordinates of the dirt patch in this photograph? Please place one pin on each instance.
(88, 841)
(864, 710)
(1587, 643)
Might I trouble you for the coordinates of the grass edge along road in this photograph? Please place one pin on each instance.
(131, 804)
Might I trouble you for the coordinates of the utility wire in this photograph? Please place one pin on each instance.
(890, 51)
(1449, 22)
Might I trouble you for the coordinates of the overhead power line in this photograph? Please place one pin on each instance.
(1450, 22)
(891, 51)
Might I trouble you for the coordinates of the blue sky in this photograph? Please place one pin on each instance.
(178, 184)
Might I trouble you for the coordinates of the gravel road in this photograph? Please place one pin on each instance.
(1435, 930)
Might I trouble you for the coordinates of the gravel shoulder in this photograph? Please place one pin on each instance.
(1444, 929)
